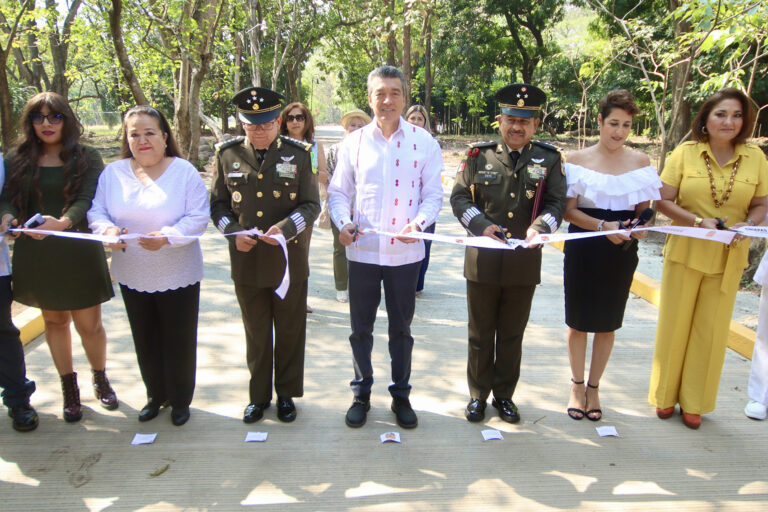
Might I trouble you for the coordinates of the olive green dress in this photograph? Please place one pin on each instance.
(57, 273)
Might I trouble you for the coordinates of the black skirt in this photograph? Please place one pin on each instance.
(597, 277)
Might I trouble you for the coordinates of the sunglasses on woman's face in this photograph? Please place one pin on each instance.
(298, 117)
(52, 118)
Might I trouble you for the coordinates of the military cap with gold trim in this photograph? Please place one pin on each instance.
(256, 105)
(520, 100)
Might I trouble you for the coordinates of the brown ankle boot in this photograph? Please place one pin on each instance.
(72, 409)
(103, 391)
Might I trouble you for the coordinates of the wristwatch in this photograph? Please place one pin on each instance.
(697, 222)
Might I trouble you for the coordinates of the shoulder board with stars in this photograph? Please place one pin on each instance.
(228, 143)
(544, 145)
(306, 146)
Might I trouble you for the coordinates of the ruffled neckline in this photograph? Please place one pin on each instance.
(611, 191)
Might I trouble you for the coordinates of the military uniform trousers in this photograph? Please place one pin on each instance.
(497, 319)
(365, 282)
(13, 380)
(262, 312)
(691, 337)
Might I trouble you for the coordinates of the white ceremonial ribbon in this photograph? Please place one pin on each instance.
(113, 239)
(753, 231)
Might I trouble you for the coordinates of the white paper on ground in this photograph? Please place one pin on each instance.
(607, 431)
(490, 433)
(144, 439)
(256, 437)
(390, 437)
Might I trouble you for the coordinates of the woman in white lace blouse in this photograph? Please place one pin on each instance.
(609, 185)
(152, 191)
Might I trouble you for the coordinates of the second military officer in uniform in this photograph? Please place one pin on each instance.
(265, 181)
(515, 189)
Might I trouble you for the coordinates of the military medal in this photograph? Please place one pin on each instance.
(488, 167)
(529, 194)
(276, 193)
(293, 195)
(285, 170)
(236, 165)
(237, 196)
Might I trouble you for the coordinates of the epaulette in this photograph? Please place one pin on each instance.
(545, 145)
(306, 146)
(474, 148)
(228, 143)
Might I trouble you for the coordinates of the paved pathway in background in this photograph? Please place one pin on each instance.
(547, 462)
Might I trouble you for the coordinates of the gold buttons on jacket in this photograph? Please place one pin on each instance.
(512, 195)
(259, 193)
(510, 215)
(486, 183)
(259, 213)
(260, 176)
(515, 175)
(276, 193)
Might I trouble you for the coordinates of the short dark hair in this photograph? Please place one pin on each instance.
(309, 122)
(171, 149)
(385, 72)
(747, 110)
(618, 98)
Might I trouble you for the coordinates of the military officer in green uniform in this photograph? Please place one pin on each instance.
(515, 189)
(265, 181)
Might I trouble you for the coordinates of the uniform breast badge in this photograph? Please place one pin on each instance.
(237, 196)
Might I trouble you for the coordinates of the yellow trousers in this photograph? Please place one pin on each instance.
(691, 337)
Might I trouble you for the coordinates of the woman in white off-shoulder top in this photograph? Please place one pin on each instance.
(152, 191)
(609, 185)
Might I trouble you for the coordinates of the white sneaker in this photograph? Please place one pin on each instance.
(342, 296)
(755, 410)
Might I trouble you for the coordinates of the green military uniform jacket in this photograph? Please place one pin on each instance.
(489, 190)
(281, 191)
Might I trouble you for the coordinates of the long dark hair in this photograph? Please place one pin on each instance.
(309, 123)
(171, 149)
(748, 113)
(27, 150)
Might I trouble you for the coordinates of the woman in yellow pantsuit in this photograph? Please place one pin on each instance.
(717, 175)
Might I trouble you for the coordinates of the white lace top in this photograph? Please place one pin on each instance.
(612, 192)
(174, 204)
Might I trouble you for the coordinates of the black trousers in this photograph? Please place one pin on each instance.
(262, 311)
(364, 297)
(497, 319)
(164, 328)
(13, 380)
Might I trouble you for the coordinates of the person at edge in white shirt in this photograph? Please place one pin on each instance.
(152, 191)
(391, 169)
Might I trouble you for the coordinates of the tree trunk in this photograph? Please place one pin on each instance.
(407, 72)
(428, 68)
(116, 30)
(59, 42)
(6, 109)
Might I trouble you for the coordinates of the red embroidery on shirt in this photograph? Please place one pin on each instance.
(413, 184)
(391, 241)
(415, 164)
(414, 147)
(423, 222)
(408, 221)
(397, 163)
(396, 201)
(397, 183)
(398, 143)
(394, 219)
(410, 203)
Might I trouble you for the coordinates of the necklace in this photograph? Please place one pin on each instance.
(727, 194)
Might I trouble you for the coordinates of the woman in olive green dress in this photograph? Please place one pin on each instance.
(51, 173)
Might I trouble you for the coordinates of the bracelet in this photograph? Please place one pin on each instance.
(697, 221)
(600, 225)
(750, 221)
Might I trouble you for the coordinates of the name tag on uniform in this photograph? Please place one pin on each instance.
(488, 176)
(537, 171)
(234, 175)
(286, 170)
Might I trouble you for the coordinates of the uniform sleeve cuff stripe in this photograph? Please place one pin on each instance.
(223, 223)
(298, 221)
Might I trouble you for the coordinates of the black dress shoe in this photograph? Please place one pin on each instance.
(149, 411)
(475, 410)
(507, 410)
(406, 418)
(254, 412)
(286, 410)
(179, 415)
(358, 412)
(24, 417)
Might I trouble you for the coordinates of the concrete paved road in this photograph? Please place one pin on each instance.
(547, 462)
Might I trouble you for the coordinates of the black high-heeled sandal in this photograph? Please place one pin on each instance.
(599, 412)
(574, 412)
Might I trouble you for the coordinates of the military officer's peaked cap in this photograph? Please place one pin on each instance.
(256, 105)
(520, 100)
